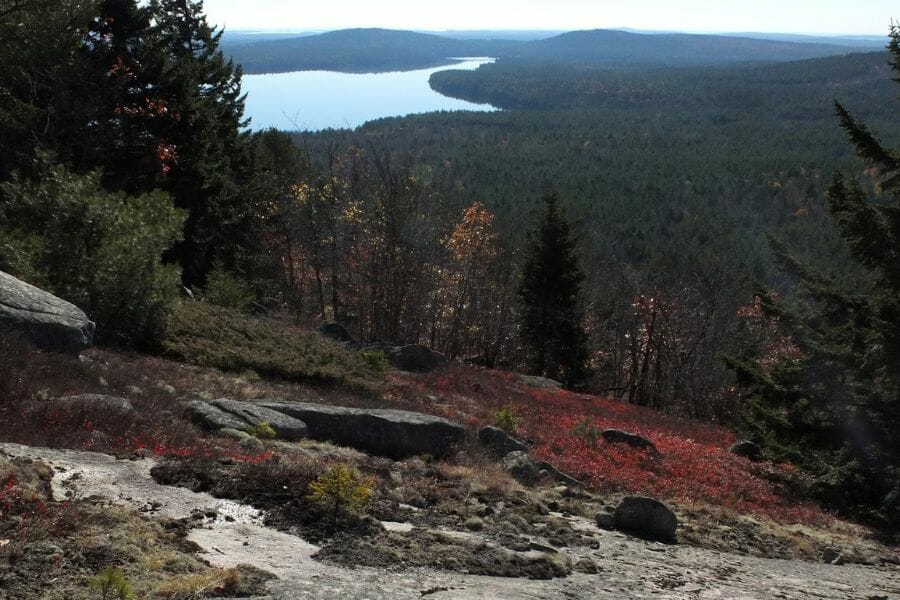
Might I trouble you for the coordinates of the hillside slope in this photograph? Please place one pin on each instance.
(377, 50)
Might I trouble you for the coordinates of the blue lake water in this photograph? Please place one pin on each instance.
(314, 100)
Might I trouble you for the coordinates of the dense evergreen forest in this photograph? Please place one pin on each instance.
(128, 174)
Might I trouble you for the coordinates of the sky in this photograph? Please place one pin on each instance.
(870, 17)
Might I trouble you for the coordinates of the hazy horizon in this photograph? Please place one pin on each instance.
(801, 17)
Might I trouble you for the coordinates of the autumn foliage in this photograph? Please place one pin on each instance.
(693, 465)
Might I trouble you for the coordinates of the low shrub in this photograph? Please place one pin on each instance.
(377, 361)
(508, 419)
(341, 489)
(111, 584)
(263, 430)
(224, 288)
(215, 336)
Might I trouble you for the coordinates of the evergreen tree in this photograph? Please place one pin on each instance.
(205, 154)
(834, 405)
(550, 296)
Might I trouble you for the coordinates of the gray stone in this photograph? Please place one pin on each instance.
(617, 436)
(384, 432)
(286, 427)
(540, 382)
(748, 450)
(585, 565)
(415, 357)
(112, 404)
(48, 322)
(829, 555)
(211, 418)
(497, 442)
(244, 439)
(522, 468)
(336, 332)
(646, 517)
(558, 475)
(605, 521)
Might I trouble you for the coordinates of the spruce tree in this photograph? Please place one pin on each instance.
(834, 408)
(209, 154)
(550, 297)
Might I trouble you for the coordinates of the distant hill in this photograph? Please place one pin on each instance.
(622, 47)
(378, 50)
(361, 50)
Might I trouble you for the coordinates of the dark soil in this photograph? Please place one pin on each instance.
(423, 548)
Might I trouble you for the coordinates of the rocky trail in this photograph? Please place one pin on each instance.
(231, 534)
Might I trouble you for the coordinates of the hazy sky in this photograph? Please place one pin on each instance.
(794, 16)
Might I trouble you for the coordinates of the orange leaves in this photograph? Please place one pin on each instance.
(473, 235)
(167, 155)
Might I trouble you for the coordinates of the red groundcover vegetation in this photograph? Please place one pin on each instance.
(693, 465)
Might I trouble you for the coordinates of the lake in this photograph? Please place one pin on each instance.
(314, 100)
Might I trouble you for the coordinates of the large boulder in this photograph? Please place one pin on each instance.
(286, 427)
(646, 517)
(415, 357)
(748, 450)
(212, 418)
(617, 436)
(384, 432)
(498, 443)
(522, 468)
(540, 382)
(226, 414)
(337, 332)
(50, 323)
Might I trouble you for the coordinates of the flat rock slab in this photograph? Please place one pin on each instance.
(213, 418)
(49, 322)
(627, 568)
(384, 432)
(286, 427)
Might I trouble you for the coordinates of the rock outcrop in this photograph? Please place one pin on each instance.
(211, 418)
(521, 467)
(415, 357)
(497, 443)
(336, 332)
(384, 432)
(617, 436)
(748, 450)
(286, 427)
(225, 414)
(540, 382)
(50, 323)
(646, 517)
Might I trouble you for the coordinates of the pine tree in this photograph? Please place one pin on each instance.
(834, 408)
(206, 151)
(550, 297)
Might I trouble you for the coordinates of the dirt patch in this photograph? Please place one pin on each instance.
(441, 550)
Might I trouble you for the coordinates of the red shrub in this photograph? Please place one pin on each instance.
(693, 465)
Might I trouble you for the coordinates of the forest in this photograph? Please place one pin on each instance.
(378, 50)
(701, 205)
